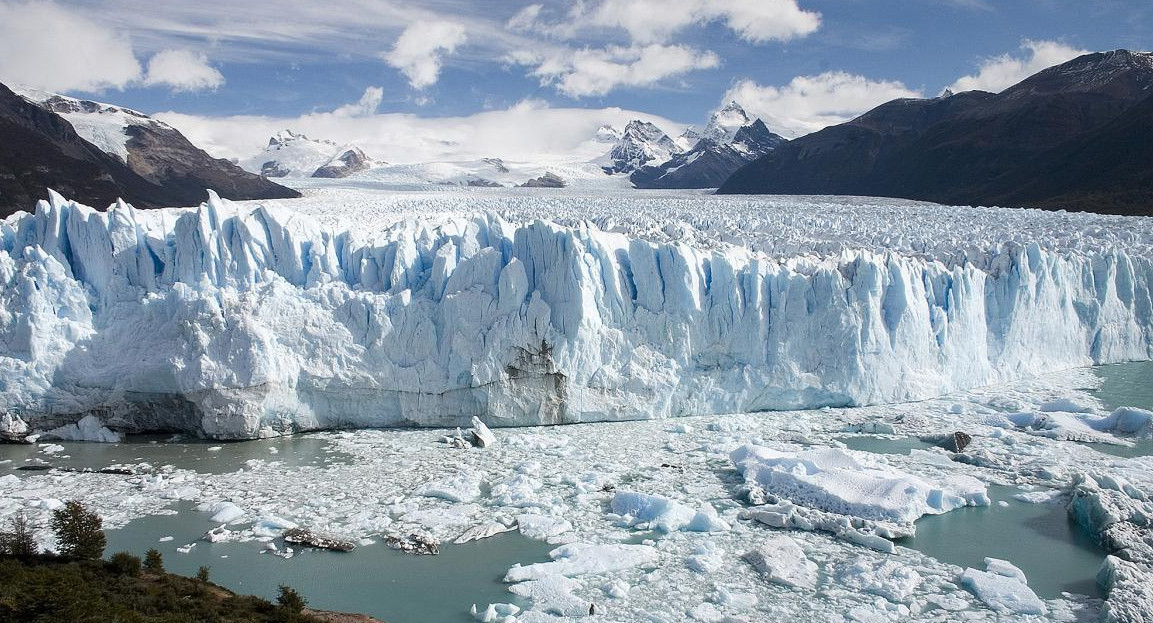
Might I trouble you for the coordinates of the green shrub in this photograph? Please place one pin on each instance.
(290, 600)
(79, 532)
(123, 563)
(20, 541)
(153, 561)
(202, 574)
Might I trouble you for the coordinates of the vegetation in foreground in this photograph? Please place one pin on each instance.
(78, 586)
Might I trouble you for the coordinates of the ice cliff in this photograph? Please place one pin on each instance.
(233, 322)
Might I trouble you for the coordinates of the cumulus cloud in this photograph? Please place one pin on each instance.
(527, 131)
(44, 45)
(182, 70)
(998, 73)
(650, 21)
(808, 103)
(594, 72)
(419, 50)
(366, 105)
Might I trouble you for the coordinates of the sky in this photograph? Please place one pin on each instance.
(368, 71)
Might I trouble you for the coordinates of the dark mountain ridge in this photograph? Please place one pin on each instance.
(1018, 147)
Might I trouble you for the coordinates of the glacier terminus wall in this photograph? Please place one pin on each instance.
(238, 321)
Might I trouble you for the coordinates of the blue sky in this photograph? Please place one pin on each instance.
(800, 64)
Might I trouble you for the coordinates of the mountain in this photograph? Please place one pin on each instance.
(103, 152)
(295, 155)
(728, 142)
(640, 143)
(1019, 147)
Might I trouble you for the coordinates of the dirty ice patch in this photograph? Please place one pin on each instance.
(585, 559)
(832, 480)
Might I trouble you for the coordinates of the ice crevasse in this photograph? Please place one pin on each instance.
(234, 321)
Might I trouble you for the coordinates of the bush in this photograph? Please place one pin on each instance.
(153, 561)
(78, 531)
(202, 574)
(290, 600)
(20, 541)
(123, 563)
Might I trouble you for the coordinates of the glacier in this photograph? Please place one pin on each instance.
(236, 321)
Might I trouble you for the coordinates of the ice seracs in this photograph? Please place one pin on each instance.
(233, 321)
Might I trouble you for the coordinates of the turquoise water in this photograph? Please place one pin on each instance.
(374, 580)
(884, 445)
(1126, 385)
(156, 450)
(1040, 539)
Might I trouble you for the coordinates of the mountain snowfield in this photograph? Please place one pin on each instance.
(355, 309)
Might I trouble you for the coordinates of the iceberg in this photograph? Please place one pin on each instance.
(234, 321)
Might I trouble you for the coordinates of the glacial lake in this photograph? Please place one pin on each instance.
(1126, 385)
(373, 579)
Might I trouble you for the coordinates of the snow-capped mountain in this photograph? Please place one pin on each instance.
(728, 142)
(295, 155)
(104, 152)
(607, 134)
(640, 143)
(725, 123)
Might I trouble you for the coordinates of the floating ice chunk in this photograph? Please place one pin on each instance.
(1003, 593)
(1005, 568)
(707, 558)
(833, 480)
(707, 520)
(459, 487)
(271, 526)
(480, 435)
(659, 512)
(223, 512)
(733, 600)
(215, 448)
(553, 594)
(89, 428)
(583, 559)
(706, 613)
(617, 589)
(541, 527)
(483, 531)
(9, 481)
(1065, 405)
(164, 539)
(781, 560)
(496, 613)
(893, 580)
(51, 448)
(1044, 496)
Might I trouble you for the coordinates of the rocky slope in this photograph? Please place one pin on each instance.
(1059, 139)
(103, 152)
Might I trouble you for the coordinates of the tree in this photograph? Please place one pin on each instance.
(153, 561)
(123, 563)
(202, 574)
(290, 600)
(78, 531)
(20, 541)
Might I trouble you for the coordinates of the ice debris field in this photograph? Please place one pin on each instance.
(353, 309)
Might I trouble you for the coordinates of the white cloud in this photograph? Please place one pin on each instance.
(366, 105)
(525, 19)
(44, 45)
(528, 131)
(998, 73)
(757, 21)
(808, 103)
(418, 51)
(592, 72)
(182, 70)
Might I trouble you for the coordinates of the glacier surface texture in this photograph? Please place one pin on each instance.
(240, 321)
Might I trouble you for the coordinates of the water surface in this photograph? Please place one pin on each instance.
(1040, 539)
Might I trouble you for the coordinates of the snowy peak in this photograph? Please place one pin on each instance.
(103, 125)
(607, 134)
(290, 154)
(640, 143)
(725, 123)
